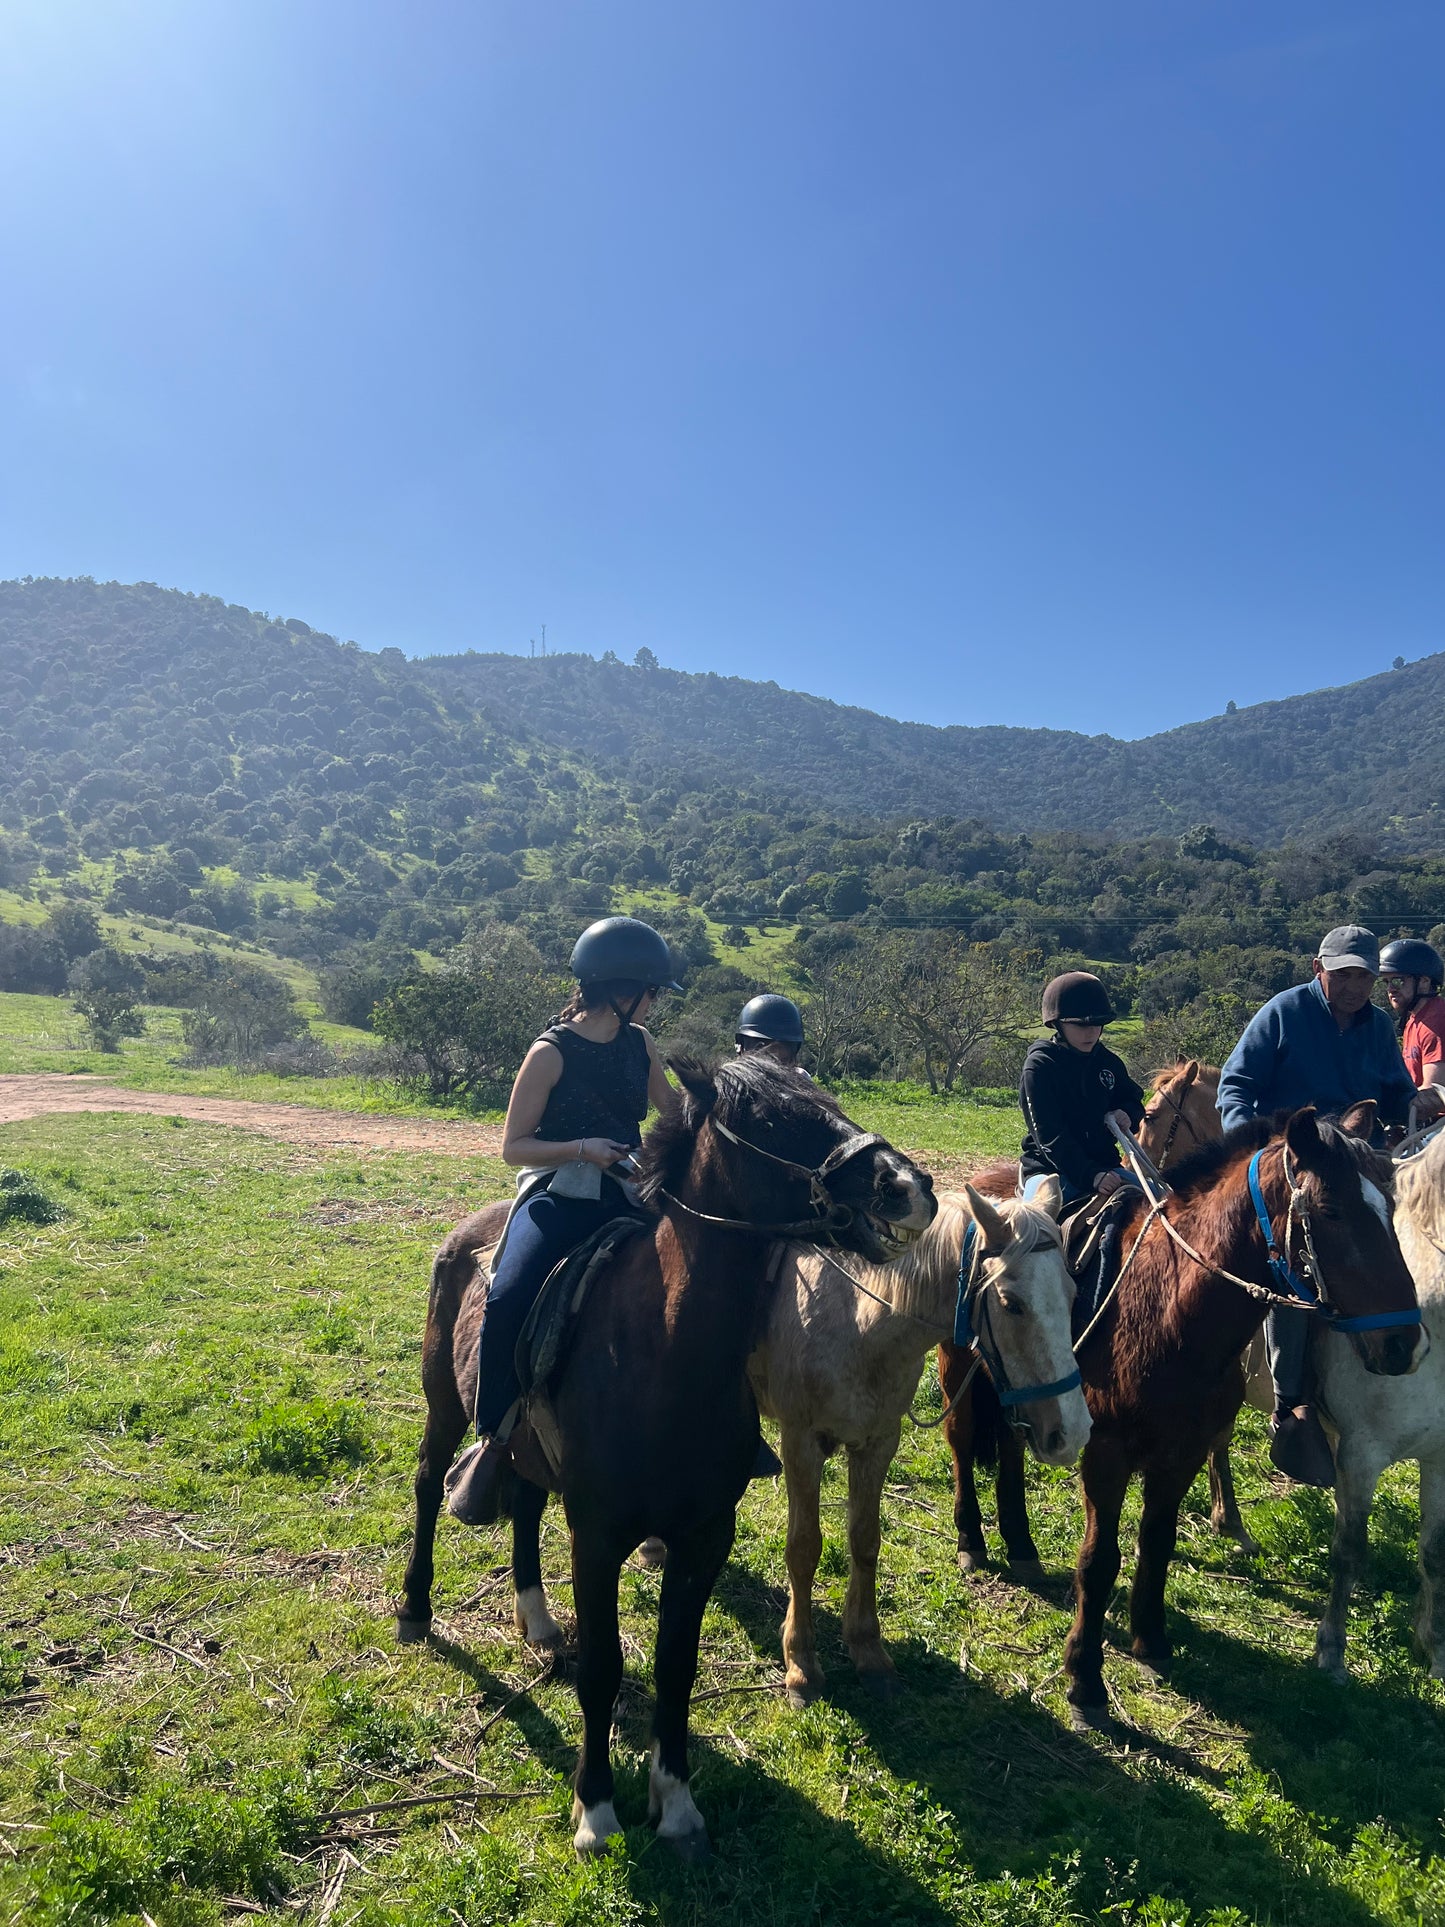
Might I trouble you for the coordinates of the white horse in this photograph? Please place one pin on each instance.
(1379, 1421)
(839, 1365)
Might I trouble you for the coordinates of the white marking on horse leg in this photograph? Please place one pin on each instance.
(595, 1826)
(1375, 1199)
(670, 1803)
(533, 1618)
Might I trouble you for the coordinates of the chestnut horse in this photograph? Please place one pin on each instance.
(658, 1425)
(1162, 1369)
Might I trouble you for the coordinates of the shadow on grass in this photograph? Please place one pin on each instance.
(1022, 1790)
(1352, 1753)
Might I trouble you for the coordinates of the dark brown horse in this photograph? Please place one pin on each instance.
(1162, 1371)
(658, 1425)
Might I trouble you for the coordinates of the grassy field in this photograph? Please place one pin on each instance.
(44, 1034)
(206, 1441)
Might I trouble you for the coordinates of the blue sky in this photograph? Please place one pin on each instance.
(1039, 363)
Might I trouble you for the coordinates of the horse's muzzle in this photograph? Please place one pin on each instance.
(1393, 1354)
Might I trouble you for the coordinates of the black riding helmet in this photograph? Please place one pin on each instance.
(1080, 995)
(623, 950)
(1412, 957)
(771, 1019)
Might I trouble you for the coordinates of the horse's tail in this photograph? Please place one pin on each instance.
(989, 1422)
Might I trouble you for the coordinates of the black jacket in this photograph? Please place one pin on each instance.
(1064, 1095)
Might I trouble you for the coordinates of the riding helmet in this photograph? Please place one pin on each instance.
(623, 950)
(773, 1019)
(1412, 957)
(1080, 995)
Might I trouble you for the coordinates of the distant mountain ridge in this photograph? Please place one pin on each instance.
(1366, 757)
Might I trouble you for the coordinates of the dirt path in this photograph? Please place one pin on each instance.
(51, 1093)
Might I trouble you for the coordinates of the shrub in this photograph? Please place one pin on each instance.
(30, 959)
(23, 1201)
(239, 1015)
(105, 989)
(305, 1437)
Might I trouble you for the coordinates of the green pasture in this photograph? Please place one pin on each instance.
(210, 1366)
(40, 1033)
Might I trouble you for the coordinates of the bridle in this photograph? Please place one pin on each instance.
(1305, 1281)
(829, 1218)
(1180, 1117)
(973, 1329)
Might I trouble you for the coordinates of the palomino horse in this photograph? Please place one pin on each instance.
(840, 1362)
(658, 1426)
(1162, 1371)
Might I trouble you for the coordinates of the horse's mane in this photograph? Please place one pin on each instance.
(1420, 1189)
(1167, 1073)
(741, 1085)
(931, 1261)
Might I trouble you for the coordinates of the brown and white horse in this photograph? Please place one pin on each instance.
(658, 1425)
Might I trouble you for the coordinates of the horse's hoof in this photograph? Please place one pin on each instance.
(971, 1561)
(652, 1552)
(692, 1849)
(1155, 1666)
(1090, 1719)
(595, 1827)
(880, 1685)
(1028, 1572)
(1248, 1545)
(801, 1696)
(410, 1632)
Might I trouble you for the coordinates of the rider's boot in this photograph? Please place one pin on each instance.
(1298, 1446)
(473, 1484)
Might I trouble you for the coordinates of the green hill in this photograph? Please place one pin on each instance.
(1365, 757)
(177, 759)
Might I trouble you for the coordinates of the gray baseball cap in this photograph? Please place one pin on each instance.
(1351, 947)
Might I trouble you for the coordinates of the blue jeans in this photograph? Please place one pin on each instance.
(540, 1234)
(1072, 1192)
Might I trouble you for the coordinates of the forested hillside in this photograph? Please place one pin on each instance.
(172, 757)
(1366, 757)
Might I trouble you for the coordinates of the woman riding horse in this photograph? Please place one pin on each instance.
(573, 1121)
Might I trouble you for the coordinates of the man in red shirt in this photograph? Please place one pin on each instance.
(1412, 972)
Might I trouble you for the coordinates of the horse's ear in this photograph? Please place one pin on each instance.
(1191, 1071)
(1302, 1134)
(1050, 1196)
(697, 1080)
(990, 1220)
(1359, 1119)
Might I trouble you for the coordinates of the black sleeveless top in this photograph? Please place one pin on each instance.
(602, 1091)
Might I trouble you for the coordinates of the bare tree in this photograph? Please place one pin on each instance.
(840, 1010)
(950, 998)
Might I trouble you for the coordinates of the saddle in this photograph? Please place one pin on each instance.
(1093, 1250)
(543, 1344)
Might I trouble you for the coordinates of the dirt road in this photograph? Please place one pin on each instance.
(46, 1094)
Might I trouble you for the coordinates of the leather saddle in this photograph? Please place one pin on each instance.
(543, 1344)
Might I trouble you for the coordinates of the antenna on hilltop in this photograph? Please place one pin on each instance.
(544, 638)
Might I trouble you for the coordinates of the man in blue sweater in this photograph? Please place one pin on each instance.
(1322, 1043)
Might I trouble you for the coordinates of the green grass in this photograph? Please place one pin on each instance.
(206, 1444)
(918, 1119)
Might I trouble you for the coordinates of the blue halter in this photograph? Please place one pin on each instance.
(970, 1337)
(1292, 1285)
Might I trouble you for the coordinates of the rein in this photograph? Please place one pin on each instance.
(829, 1217)
(1302, 1294)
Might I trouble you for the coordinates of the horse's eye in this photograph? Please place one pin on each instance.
(1014, 1307)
